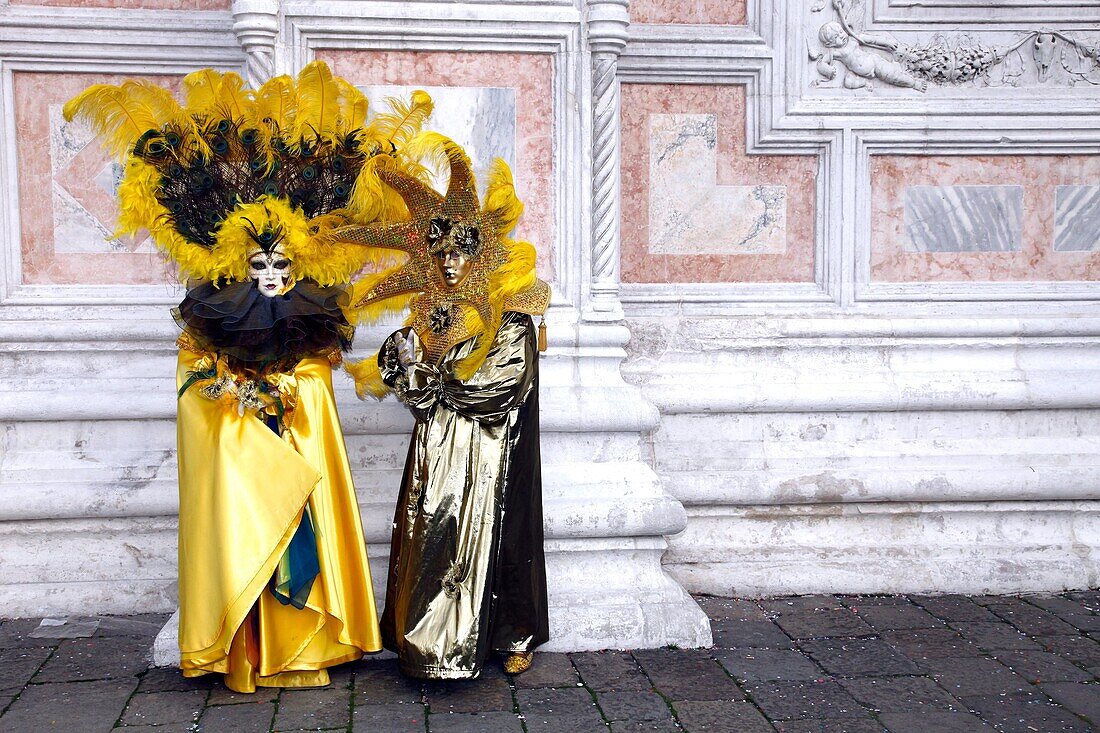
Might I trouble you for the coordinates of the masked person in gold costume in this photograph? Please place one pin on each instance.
(242, 189)
(467, 574)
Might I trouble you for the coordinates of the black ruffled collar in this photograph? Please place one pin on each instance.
(237, 320)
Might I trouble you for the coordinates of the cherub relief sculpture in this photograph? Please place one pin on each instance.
(846, 53)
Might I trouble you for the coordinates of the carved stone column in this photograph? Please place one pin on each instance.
(607, 35)
(607, 512)
(256, 25)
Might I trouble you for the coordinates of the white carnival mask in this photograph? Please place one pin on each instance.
(270, 270)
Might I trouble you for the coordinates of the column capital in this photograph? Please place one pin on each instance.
(608, 26)
(256, 25)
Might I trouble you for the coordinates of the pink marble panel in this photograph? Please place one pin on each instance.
(716, 12)
(1036, 259)
(797, 174)
(530, 75)
(67, 209)
(131, 4)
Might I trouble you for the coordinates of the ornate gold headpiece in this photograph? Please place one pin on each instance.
(502, 276)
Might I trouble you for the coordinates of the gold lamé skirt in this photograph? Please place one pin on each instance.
(467, 573)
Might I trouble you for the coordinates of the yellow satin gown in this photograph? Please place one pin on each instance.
(243, 489)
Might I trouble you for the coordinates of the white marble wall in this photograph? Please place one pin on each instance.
(817, 394)
(916, 411)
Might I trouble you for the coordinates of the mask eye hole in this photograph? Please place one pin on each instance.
(257, 264)
(281, 264)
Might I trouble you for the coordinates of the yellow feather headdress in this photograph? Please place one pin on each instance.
(502, 276)
(206, 176)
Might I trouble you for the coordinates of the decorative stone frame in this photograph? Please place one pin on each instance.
(93, 41)
(785, 116)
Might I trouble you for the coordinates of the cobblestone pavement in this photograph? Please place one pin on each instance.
(826, 664)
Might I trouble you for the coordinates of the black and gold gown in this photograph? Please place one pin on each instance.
(273, 575)
(467, 572)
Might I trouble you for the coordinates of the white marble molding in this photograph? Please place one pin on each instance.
(860, 436)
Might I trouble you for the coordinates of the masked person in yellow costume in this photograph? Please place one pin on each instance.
(241, 189)
(467, 574)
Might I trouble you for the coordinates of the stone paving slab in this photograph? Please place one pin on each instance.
(808, 664)
(389, 718)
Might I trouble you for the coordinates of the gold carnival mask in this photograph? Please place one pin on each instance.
(462, 271)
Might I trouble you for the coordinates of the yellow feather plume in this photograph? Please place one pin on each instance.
(233, 97)
(392, 130)
(317, 103)
(516, 274)
(352, 105)
(435, 150)
(368, 195)
(121, 114)
(200, 90)
(501, 203)
(275, 103)
(486, 334)
(327, 260)
(368, 379)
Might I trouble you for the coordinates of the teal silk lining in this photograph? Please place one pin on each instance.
(298, 567)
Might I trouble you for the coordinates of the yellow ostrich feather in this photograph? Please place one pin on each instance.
(275, 103)
(121, 114)
(353, 105)
(486, 333)
(368, 195)
(212, 94)
(138, 205)
(368, 379)
(316, 114)
(233, 97)
(200, 91)
(329, 262)
(392, 130)
(272, 114)
(501, 203)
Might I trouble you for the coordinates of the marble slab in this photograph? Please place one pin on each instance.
(697, 207)
(1077, 219)
(963, 218)
(984, 218)
(480, 119)
(66, 193)
(676, 12)
(689, 212)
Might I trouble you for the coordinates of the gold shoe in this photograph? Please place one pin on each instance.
(518, 662)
